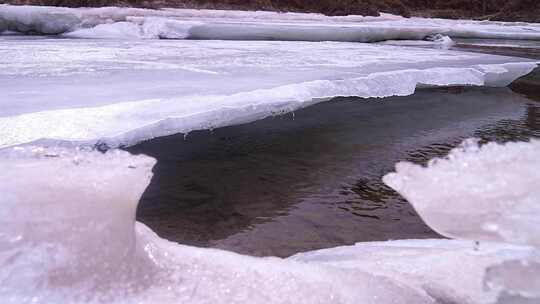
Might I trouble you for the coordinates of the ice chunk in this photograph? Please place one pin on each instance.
(69, 236)
(68, 220)
(149, 28)
(436, 41)
(516, 281)
(41, 20)
(478, 193)
(442, 41)
(139, 90)
(207, 275)
(167, 28)
(236, 25)
(122, 30)
(448, 270)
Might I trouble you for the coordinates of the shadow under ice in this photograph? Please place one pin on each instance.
(312, 179)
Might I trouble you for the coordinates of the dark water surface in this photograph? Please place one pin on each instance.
(516, 48)
(313, 180)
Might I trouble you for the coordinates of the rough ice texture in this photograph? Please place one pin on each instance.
(73, 239)
(448, 270)
(236, 25)
(436, 41)
(516, 280)
(487, 193)
(136, 90)
(66, 217)
(69, 236)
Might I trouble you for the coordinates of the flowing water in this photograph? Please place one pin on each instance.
(312, 179)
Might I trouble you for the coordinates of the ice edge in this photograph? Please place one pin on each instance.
(247, 107)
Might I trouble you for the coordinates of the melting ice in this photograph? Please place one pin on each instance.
(236, 25)
(121, 92)
(69, 232)
(73, 238)
(501, 186)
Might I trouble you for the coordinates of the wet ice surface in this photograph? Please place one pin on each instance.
(448, 270)
(502, 182)
(315, 179)
(48, 259)
(509, 43)
(121, 92)
(513, 218)
(128, 23)
(515, 48)
(313, 175)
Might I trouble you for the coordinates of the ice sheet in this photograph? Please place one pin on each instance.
(73, 239)
(122, 92)
(68, 216)
(483, 193)
(69, 233)
(451, 271)
(236, 25)
(477, 193)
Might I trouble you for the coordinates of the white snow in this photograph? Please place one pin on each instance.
(73, 239)
(237, 25)
(122, 92)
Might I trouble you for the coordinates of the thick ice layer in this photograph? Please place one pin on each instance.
(435, 41)
(122, 92)
(67, 221)
(478, 193)
(484, 193)
(69, 236)
(498, 43)
(450, 271)
(236, 25)
(517, 281)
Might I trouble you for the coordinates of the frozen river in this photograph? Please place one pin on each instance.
(315, 179)
(117, 92)
(266, 134)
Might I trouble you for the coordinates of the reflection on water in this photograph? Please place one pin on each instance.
(515, 48)
(313, 180)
